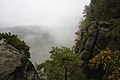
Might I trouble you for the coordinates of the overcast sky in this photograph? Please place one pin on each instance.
(41, 12)
(59, 17)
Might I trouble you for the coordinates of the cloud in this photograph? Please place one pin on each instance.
(40, 12)
(42, 23)
(40, 40)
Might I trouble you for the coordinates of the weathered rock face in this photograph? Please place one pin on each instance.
(91, 40)
(15, 66)
(94, 39)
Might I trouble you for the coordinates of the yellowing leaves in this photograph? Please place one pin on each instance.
(110, 60)
(102, 57)
(108, 57)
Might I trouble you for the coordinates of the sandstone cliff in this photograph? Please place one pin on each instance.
(15, 66)
(93, 39)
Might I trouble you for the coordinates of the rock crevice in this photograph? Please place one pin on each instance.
(93, 39)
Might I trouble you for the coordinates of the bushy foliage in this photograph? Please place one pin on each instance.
(16, 42)
(103, 10)
(114, 35)
(64, 64)
(110, 61)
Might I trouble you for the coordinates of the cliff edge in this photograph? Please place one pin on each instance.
(14, 65)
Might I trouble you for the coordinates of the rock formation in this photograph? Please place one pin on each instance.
(14, 65)
(93, 39)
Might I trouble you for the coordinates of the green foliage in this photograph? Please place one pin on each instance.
(64, 64)
(85, 23)
(16, 42)
(114, 35)
(110, 60)
(103, 10)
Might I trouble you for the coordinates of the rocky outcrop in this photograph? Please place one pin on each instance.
(93, 39)
(14, 65)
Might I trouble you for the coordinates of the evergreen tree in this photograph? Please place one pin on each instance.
(16, 42)
(64, 64)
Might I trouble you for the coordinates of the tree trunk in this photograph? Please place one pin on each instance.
(65, 72)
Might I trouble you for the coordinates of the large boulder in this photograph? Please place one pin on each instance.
(14, 65)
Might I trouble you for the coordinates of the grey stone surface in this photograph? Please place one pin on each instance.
(94, 39)
(15, 66)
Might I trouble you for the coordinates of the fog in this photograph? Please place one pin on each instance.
(42, 23)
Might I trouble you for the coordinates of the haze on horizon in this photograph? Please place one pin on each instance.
(59, 18)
